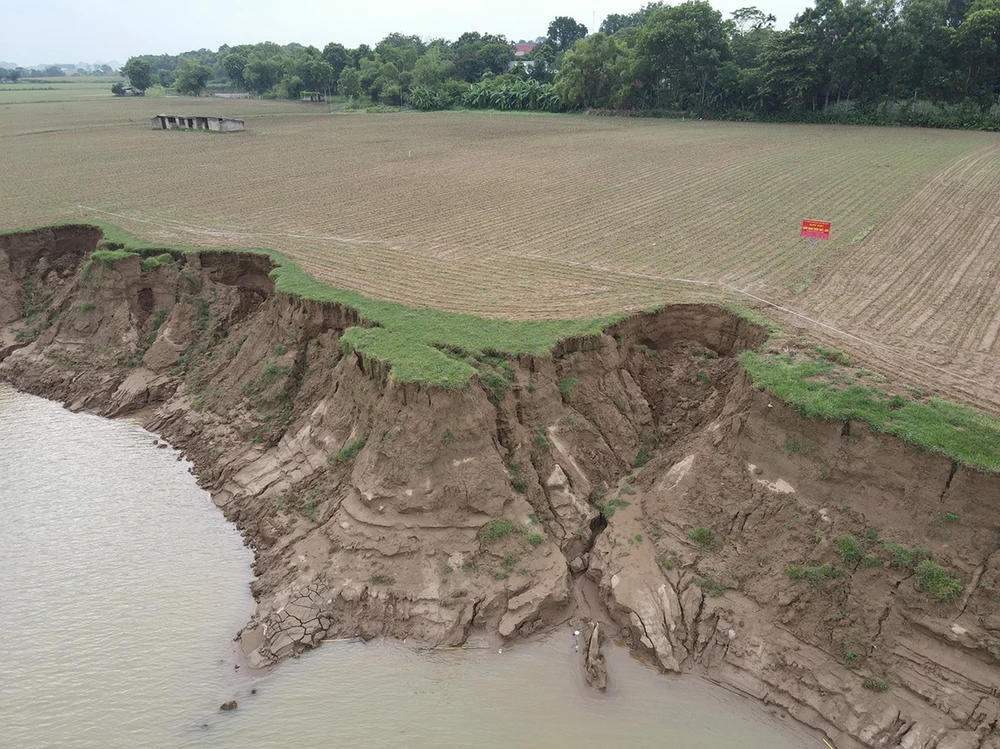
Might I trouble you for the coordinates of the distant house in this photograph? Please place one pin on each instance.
(316, 96)
(520, 50)
(529, 65)
(215, 124)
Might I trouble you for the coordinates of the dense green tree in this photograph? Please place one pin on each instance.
(262, 73)
(233, 64)
(338, 58)
(564, 32)
(349, 83)
(192, 78)
(978, 41)
(618, 22)
(681, 48)
(593, 73)
(139, 73)
(316, 74)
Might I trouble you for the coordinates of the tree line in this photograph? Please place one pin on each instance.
(922, 62)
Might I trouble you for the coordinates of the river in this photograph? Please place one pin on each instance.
(121, 586)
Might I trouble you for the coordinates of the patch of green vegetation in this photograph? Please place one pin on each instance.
(962, 434)
(448, 438)
(308, 509)
(712, 586)
(703, 537)
(100, 259)
(876, 685)
(82, 308)
(703, 377)
(409, 341)
(566, 387)
(642, 457)
(799, 447)
(534, 538)
(518, 481)
(903, 557)
(937, 581)
(834, 355)
(849, 550)
(670, 560)
(541, 441)
(495, 530)
(609, 508)
(350, 450)
(381, 579)
(509, 561)
(154, 262)
(815, 575)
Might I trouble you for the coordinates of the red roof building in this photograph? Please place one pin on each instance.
(520, 50)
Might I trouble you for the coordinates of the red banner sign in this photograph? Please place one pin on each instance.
(815, 229)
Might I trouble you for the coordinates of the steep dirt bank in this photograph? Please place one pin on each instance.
(710, 517)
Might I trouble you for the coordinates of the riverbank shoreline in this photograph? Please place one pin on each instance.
(640, 461)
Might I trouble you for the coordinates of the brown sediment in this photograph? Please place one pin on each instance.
(365, 500)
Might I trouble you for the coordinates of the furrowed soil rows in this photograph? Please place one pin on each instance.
(536, 217)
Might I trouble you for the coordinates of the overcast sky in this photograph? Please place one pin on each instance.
(70, 31)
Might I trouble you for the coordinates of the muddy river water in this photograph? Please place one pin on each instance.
(121, 586)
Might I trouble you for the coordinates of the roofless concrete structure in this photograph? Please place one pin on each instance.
(215, 124)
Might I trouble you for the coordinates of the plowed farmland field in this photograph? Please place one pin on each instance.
(536, 217)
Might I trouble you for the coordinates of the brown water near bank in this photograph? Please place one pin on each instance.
(387, 541)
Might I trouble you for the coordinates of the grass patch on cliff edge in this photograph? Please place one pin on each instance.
(818, 389)
(410, 341)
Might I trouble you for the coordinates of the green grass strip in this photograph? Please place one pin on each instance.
(963, 434)
(409, 339)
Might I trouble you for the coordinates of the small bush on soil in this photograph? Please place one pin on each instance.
(876, 685)
(712, 586)
(535, 539)
(517, 480)
(541, 442)
(380, 579)
(670, 560)
(309, 509)
(703, 378)
(566, 387)
(849, 550)
(642, 457)
(350, 451)
(152, 263)
(448, 438)
(495, 530)
(852, 657)
(609, 508)
(702, 536)
(937, 581)
(903, 557)
(815, 575)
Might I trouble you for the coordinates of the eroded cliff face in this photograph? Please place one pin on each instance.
(640, 464)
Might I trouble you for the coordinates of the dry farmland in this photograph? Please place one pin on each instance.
(541, 216)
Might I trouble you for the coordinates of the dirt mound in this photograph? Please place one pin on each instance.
(810, 565)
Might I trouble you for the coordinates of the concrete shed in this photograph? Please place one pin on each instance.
(215, 124)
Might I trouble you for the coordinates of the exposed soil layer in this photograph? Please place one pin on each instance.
(640, 464)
